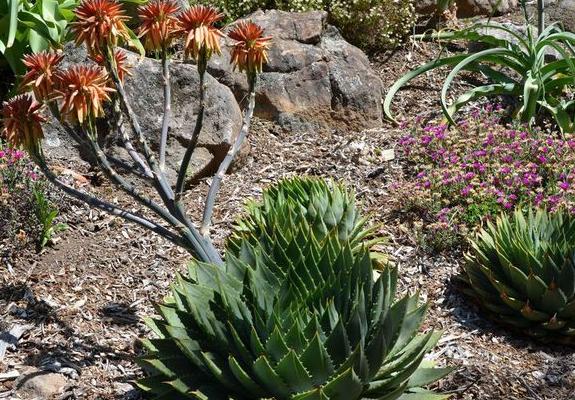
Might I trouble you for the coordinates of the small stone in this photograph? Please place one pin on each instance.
(388, 155)
(538, 374)
(39, 384)
(122, 387)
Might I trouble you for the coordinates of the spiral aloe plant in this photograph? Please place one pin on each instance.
(321, 206)
(301, 319)
(522, 269)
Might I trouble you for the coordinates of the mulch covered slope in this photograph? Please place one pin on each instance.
(85, 299)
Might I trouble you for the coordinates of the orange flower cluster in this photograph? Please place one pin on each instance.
(22, 119)
(40, 73)
(197, 24)
(250, 52)
(82, 91)
(99, 24)
(121, 61)
(159, 23)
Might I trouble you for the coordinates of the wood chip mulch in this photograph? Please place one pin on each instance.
(84, 300)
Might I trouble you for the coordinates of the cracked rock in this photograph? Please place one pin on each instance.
(314, 79)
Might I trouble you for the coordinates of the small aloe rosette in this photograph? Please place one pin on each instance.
(521, 268)
(297, 315)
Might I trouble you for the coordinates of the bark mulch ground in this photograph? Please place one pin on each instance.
(85, 298)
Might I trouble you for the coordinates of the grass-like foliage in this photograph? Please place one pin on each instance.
(521, 268)
(295, 316)
(46, 212)
(535, 69)
(27, 208)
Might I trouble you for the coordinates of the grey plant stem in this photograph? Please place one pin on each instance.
(182, 173)
(231, 154)
(195, 248)
(164, 189)
(126, 141)
(105, 206)
(202, 247)
(540, 16)
(167, 109)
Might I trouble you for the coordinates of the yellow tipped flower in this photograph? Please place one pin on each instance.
(250, 51)
(159, 23)
(82, 91)
(39, 75)
(197, 25)
(121, 61)
(99, 23)
(22, 119)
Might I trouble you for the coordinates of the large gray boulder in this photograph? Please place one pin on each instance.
(314, 78)
(222, 120)
(470, 8)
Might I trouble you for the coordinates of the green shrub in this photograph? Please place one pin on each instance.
(521, 269)
(293, 314)
(371, 24)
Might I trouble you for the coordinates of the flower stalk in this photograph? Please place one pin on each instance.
(540, 16)
(230, 156)
(77, 96)
(167, 109)
(182, 173)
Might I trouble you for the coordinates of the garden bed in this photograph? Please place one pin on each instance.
(85, 299)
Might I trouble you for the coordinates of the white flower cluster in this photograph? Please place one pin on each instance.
(300, 5)
(374, 23)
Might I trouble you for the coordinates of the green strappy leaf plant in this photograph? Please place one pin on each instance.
(32, 26)
(296, 315)
(536, 68)
(521, 268)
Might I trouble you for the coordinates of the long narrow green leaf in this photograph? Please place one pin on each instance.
(462, 65)
(405, 79)
(13, 6)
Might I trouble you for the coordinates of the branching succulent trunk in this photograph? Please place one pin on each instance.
(200, 247)
(176, 226)
(81, 91)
